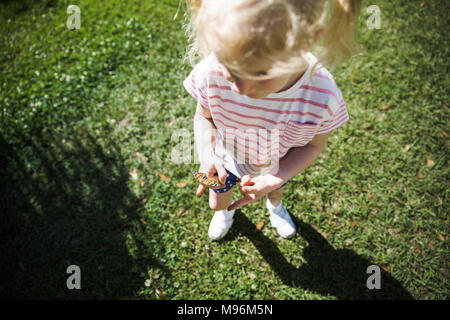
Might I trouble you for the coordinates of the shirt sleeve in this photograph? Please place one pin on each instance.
(335, 116)
(196, 85)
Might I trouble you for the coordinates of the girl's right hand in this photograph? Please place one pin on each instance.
(214, 167)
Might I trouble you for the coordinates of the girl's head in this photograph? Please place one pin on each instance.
(267, 39)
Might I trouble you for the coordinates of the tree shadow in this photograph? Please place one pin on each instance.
(64, 200)
(21, 6)
(328, 271)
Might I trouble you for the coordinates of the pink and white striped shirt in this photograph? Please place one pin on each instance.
(256, 131)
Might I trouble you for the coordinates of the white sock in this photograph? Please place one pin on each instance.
(228, 213)
(272, 208)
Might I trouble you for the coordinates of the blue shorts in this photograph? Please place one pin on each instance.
(231, 182)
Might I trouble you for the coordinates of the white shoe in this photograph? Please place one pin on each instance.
(220, 224)
(281, 220)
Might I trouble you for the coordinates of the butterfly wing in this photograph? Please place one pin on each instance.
(203, 179)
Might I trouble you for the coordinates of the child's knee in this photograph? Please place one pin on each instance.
(220, 201)
(214, 205)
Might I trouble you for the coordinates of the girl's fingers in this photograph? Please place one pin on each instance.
(246, 186)
(243, 201)
(249, 189)
(222, 174)
(238, 203)
(212, 171)
(247, 181)
(252, 196)
(246, 193)
(200, 190)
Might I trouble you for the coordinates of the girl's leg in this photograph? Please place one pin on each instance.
(222, 219)
(275, 196)
(279, 217)
(220, 201)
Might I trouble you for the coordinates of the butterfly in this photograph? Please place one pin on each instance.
(203, 179)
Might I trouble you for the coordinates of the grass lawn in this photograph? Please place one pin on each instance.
(86, 130)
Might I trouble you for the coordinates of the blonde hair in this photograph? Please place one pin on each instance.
(262, 39)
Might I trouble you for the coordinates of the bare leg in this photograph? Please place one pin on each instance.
(222, 220)
(281, 219)
(220, 201)
(275, 196)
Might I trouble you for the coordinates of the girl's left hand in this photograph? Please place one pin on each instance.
(253, 189)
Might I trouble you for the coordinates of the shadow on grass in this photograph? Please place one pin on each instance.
(64, 200)
(328, 271)
(18, 7)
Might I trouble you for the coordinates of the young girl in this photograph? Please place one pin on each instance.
(265, 104)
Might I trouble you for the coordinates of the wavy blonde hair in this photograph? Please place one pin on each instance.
(263, 39)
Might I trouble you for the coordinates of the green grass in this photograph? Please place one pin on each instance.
(83, 108)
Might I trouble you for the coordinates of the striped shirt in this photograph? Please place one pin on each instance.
(255, 133)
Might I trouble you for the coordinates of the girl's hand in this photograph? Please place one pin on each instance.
(214, 166)
(253, 189)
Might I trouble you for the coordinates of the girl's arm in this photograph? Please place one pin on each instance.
(299, 158)
(296, 160)
(204, 133)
